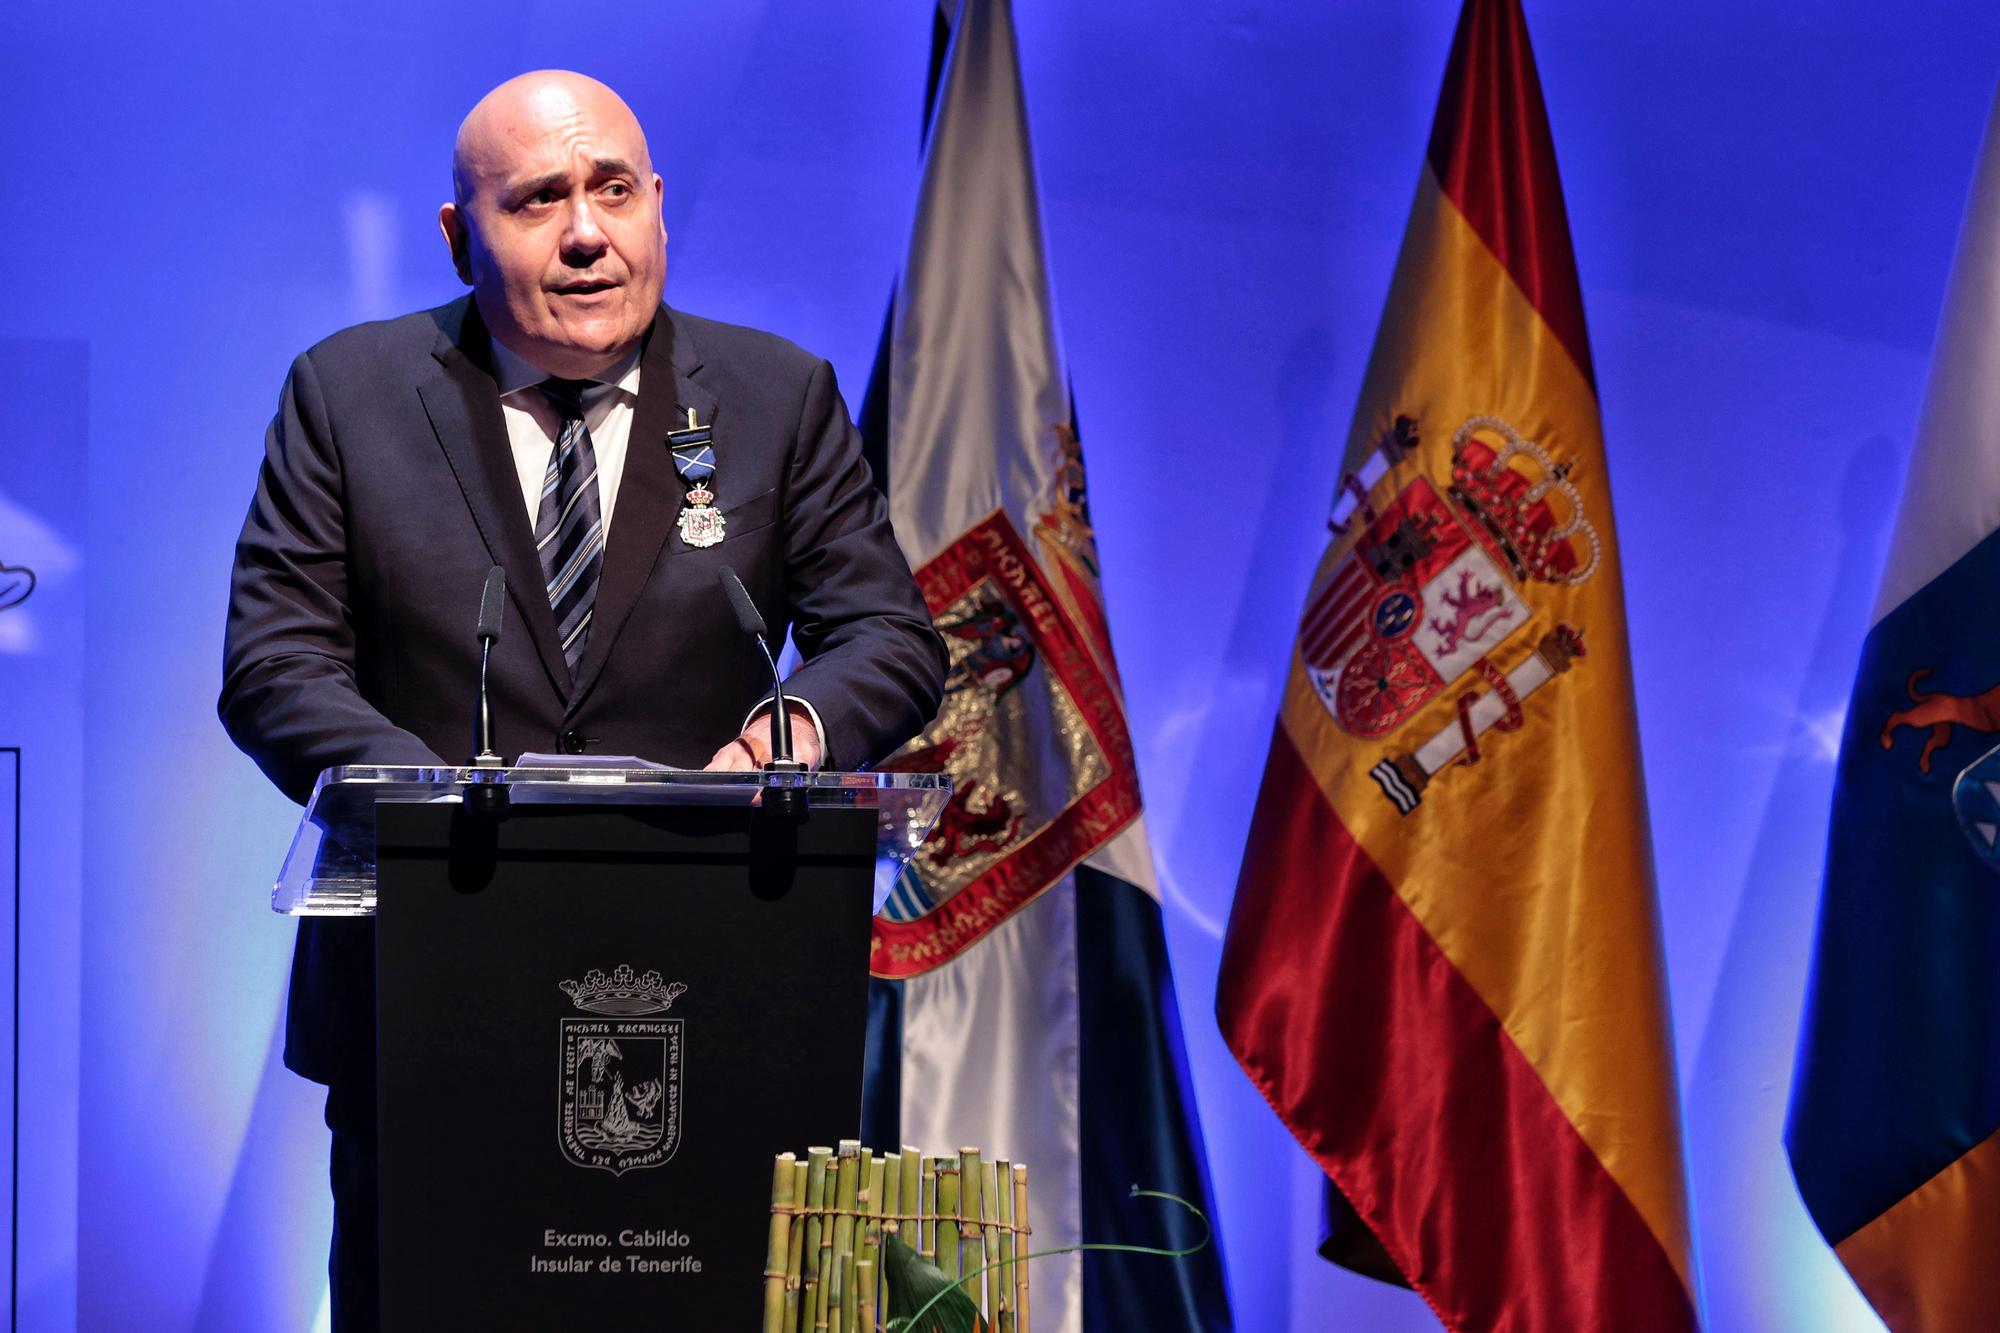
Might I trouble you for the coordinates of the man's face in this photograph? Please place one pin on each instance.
(557, 224)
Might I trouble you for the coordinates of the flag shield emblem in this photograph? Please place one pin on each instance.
(1432, 586)
(1034, 738)
(1415, 606)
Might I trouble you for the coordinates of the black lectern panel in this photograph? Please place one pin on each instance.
(596, 1027)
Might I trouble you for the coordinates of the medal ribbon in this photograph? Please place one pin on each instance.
(694, 454)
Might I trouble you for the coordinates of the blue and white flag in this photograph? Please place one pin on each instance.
(1025, 1004)
(1894, 1131)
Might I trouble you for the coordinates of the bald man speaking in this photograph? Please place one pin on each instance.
(551, 422)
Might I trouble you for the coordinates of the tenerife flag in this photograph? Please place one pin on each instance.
(1896, 1102)
(1442, 968)
(1024, 1003)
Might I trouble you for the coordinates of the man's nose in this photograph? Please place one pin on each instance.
(583, 235)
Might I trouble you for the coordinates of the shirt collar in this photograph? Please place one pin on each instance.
(514, 374)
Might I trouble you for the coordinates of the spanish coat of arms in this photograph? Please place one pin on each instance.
(1432, 587)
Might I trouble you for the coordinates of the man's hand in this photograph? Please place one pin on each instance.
(752, 750)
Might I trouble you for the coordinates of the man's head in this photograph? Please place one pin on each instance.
(555, 221)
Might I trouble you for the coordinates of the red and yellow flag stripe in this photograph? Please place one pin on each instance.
(1459, 1010)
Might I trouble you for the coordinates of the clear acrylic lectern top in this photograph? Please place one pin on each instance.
(330, 869)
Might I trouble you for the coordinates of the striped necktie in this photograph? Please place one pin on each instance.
(569, 529)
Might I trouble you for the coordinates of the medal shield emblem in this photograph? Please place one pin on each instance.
(700, 522)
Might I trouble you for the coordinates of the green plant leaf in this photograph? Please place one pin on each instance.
(913, 1286)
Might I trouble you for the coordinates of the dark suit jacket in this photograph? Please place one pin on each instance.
(387, 492)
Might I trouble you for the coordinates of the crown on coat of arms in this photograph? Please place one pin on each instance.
(1514, 504)
(622, 992)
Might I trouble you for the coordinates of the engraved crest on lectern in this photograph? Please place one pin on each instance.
(619, 1107)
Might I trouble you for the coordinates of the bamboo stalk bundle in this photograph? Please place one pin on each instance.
(828, 1267)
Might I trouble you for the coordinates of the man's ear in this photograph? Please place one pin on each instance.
(456, 239)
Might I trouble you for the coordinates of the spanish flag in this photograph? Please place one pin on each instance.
(1443, 967)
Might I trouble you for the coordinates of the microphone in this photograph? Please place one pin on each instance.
(491, 601)
(752, 624)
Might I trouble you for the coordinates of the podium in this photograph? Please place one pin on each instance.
(604, 999)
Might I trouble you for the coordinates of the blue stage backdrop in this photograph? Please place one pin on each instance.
(1764, 200)
(43, 514)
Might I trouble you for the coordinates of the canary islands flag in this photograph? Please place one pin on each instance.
(1442, 968)
(1894, 1132)
(1023, 1001)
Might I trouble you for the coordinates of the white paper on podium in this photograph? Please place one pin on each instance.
(609, 762)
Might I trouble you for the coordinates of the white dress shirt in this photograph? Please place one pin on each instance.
(533, 424)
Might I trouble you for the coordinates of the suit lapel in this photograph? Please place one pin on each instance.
(650, 493)
(463, 404)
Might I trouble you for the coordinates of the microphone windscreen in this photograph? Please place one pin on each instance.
(739, 598)
(490, 603)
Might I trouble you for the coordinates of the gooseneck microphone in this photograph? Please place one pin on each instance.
(752, 624)
(491, 602)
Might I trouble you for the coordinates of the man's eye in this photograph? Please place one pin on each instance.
(617, 190)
